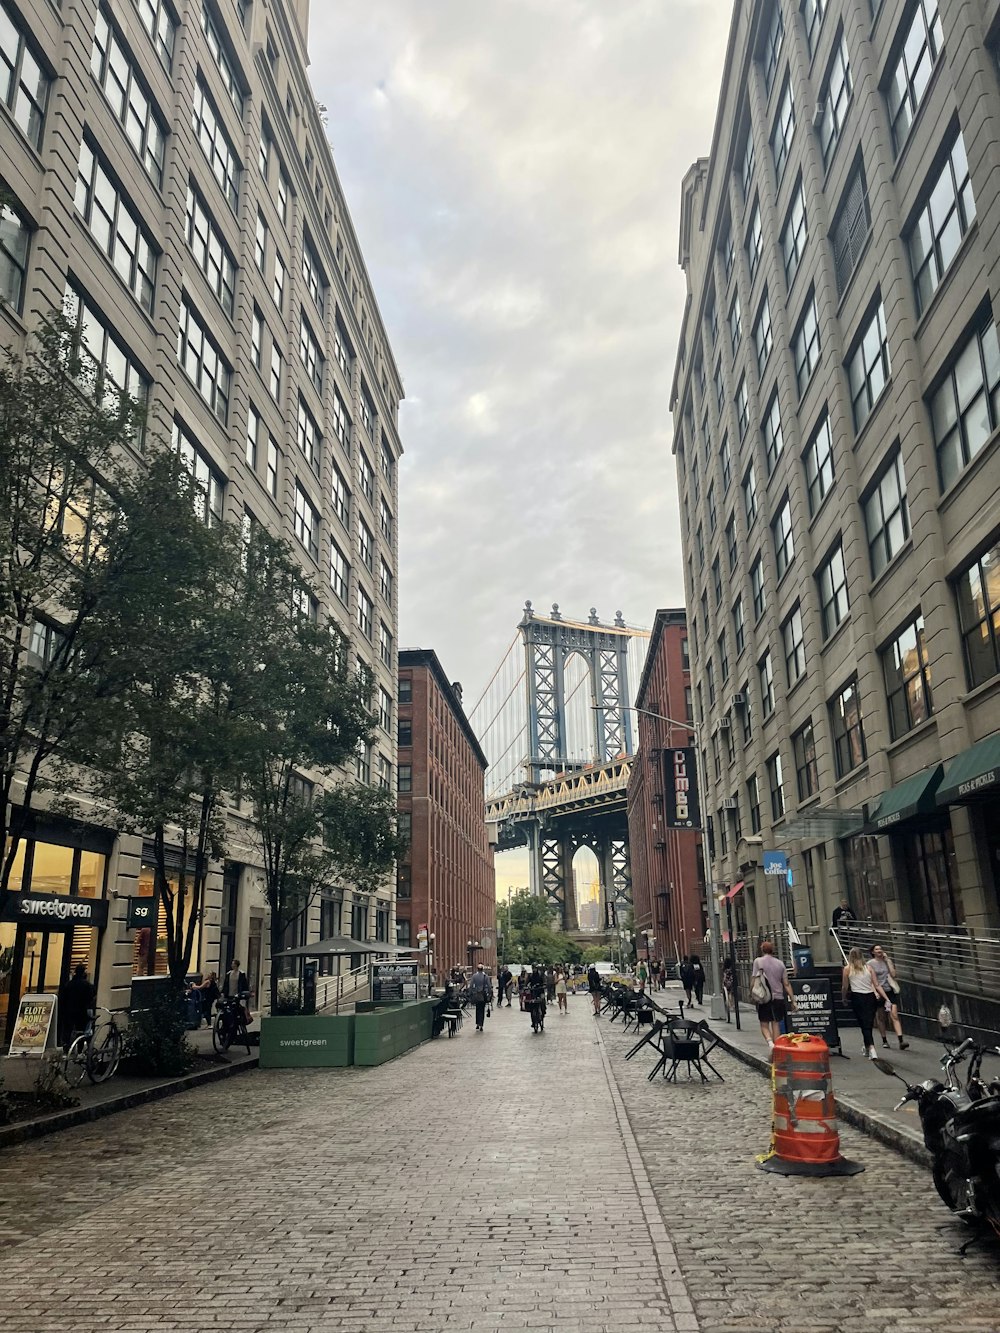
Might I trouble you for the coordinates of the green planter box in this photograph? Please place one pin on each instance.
(307, 1041)
(382, 1034)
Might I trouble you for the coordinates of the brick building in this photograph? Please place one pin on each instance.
(667, 877)
(446, 881)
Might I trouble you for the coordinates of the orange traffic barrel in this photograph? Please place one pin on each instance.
(804, 1137)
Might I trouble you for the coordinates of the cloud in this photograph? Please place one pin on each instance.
(513, 169)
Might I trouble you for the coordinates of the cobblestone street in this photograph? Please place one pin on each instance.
(483, 1183)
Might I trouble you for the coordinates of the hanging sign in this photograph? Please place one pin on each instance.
(680, 789)
(141, 913)
(35, 1020)
(775, 863)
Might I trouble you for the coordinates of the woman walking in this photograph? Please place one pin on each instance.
(862, 985)
(885, 974)
(561, 990)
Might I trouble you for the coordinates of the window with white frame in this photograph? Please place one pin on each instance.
(772, 46)
(776, 783)
(367, 412)
(210, 251)
(735, 322)
(385, 709)
(765, 674)
(812, 16)
(747, 159)
(723, 657)
(739, 626)
(806, 345)
(713, 515)
(750, 494)
(781, 534)
(907, 672)
(763, 337)
(366, 611)
(385, 520)
(313, 275)
(753, 803)
(340, 573)
(385, 582)
(818, 463)
(977, 590)
(385, 644)
(273, 467)
(731, 543)
(835, 97)
(806, 767)
(274, 374)
(309, 354)
(911, 73)
(887, 516)
(255, 433)
(209, 486)
(366, 477)
(366, 544)
(309, 437)
(757, 588)
(115, 70)
(215, 41)
(720, 388)
(214, 143)
(793, 641)
(755, 241)
(965, 408)
(202, 362)
(306, 522)
(726, 463)
(341, 421)
(774, 441)
(742, 406)
(831, 584)
(343, 350)
(716, 583)
(260, 244)
(783, 130)
(278, 282)
(24, 85)
(794, 234)
(388, 462)
(847, 726)
(161, 26)
(341, 496)
(947, 213)
(257, 338)
(117, 376)
(728, 251)
(869, 366)
(14, 242)
(116, 227)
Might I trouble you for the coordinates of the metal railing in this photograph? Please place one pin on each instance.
(341, 987)
(949, 958)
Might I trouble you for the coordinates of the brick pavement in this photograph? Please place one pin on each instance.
(417, 1196)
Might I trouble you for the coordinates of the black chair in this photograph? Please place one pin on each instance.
(686, 1042)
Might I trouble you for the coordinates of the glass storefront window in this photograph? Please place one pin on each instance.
(141, 943)
(931, 873)
(51, 868)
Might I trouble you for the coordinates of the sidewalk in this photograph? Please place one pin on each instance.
(122, 1092)
(865, 1097)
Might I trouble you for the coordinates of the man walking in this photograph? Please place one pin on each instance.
(481, 992)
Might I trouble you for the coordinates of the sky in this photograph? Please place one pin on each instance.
(513, 171)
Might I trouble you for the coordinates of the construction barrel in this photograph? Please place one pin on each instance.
(804, 1137)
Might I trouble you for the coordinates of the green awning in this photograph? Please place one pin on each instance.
(913, 797)
(972, 773)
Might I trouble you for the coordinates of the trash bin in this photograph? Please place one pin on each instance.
(802, 960)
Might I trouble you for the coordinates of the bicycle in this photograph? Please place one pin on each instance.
(230, 1024)
(96, 1052)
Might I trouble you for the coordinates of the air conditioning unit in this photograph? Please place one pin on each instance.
(818, 115)
(724, 724)
(738, 701)
(730, 803)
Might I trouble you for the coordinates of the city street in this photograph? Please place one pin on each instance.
(496, 1181)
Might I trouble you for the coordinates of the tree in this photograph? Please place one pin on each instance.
(66, 435)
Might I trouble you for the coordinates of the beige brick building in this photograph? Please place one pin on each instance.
(168, 175)
(836, 420)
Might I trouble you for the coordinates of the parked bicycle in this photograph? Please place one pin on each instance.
(96, 1052)
(230, 1023)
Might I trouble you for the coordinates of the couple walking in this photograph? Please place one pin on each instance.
(871, 986)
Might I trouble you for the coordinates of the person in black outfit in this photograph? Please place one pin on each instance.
(504, 982)
(697, 978)
(842, 914)
(594, 986)
(687, 977)
(77, 998)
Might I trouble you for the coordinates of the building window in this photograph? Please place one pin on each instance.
(209, 485)
(747, 714)
(306, 522)
(260, 244)
(341, 497)
(755, 242)
(747, 158)
(818, 463)
(366, 544)
(341, 422)
(965, 409)
(272, 468)
(214, 143)
(388, 463)
(343, 350)
(753, 803)
(313, 276)
(14, 238)
(831, 581)
(887, 517)
(806, 345)
(700, 538)
(772, 46)
(739, 626)
(115, 371)
(848, 731)
(112, 66)
(762, 335)
(225, 66)
(728, 252)
(720, 388)
(765, 672)
(257, 338)
(713, 515)
(384, 776)
(404, 775)
(404, 732)
(385, 644)
(757, 588)
(907, 679)
(781, 535)
(717, 580)
(254, 431)
(385, 520)
(278, 282)
(340, 573)
(366, 609)
(363, 763)
(750, 495)
(404, 692)
(794, 234)
(806, 771)
(710, 679)
(735, 323)
(161, 26)
(851, 226)
(283, 190)
(309, 438)
(385, 582)
(210, 251)
(784, 129)
(367, 412)
(385, 709)
(274, 375)
(115, 226)
(812, 17)
(835, 97)
(978, 591)
(947, 214)
(776, 782)
(731, 542)
(911, 73)
(726, 462)
(742, 406)
(795, 647)
(366, 477)
(712, 319)
(202, 362)
(869, 366)
(773, 440)
(310, 355)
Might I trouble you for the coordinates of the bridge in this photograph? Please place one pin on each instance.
(555, 723)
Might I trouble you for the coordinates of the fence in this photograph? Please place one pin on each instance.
(747, 946)
(948, 958)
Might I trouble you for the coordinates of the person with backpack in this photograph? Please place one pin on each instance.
(697, 978)
(481, 994)
(769, 987)
(687, 977)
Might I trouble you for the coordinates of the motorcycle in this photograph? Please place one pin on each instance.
(961, 1130)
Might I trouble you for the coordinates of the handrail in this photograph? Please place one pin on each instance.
(953, 958)
(342, 984)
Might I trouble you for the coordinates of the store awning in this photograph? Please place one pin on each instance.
(338, 945)
(972, 773)
(915, 796)
(734, 890)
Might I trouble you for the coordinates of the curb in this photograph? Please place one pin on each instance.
(876, 1126)
(27, 1130)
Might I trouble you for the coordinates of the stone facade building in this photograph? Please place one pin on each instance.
(667, 874)
(837, 439)
(167, 179)
(446, 882)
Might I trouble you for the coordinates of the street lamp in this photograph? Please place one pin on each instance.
(472, 948)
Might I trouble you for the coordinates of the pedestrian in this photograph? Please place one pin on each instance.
(480, 993)
(885, 973)
(561, 990)
(697, 978)
(774, 974)
(236, 986)
(77, 998)
(842, 914)
(522, 986)
(687, 976)
(594, 986)
(550, 983)
(505, 983)
(861, 984)
(209, 993)
(641, 976)
(728, 984)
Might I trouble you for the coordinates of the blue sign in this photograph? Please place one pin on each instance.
(775, 863)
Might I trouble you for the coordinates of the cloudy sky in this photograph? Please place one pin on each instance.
(513, 169)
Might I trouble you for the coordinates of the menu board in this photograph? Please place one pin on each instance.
(35, 1020)
(394, 982)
